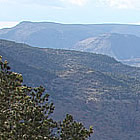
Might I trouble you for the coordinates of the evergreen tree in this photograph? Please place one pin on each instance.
(25, 112)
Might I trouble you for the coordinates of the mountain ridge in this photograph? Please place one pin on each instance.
(66, 36)
(89, 29)
(119, 46)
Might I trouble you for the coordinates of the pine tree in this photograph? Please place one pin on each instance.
(25, 112)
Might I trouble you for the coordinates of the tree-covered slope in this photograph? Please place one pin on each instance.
(95, 89)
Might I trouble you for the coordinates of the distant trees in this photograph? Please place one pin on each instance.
(25, 112)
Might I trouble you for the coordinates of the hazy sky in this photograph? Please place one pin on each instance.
(69, 11)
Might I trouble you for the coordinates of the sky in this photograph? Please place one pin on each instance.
(69, 11)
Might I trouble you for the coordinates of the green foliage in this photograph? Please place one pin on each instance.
(72, 130)
(25, 112)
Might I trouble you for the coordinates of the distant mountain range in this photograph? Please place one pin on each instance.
(94, 88)
(118, 40)
(119, 46)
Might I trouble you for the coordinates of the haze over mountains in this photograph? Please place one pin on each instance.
(95, 88)
(119, 46)
(117, 40)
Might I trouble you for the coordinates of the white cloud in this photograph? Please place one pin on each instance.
(125, 4)
(2, 1)
(76, 2)
(6, 1)
(45, 2)
(135, 23)
(6, 24)
(32, 2)
(122, 4)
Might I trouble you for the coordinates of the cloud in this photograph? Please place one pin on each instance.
(45, 2)
(32, 2)
(76, 2)
(135, 23)
(6, 24)
(122, 4)
(6, 1)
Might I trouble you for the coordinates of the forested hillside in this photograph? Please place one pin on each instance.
(95, 89)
